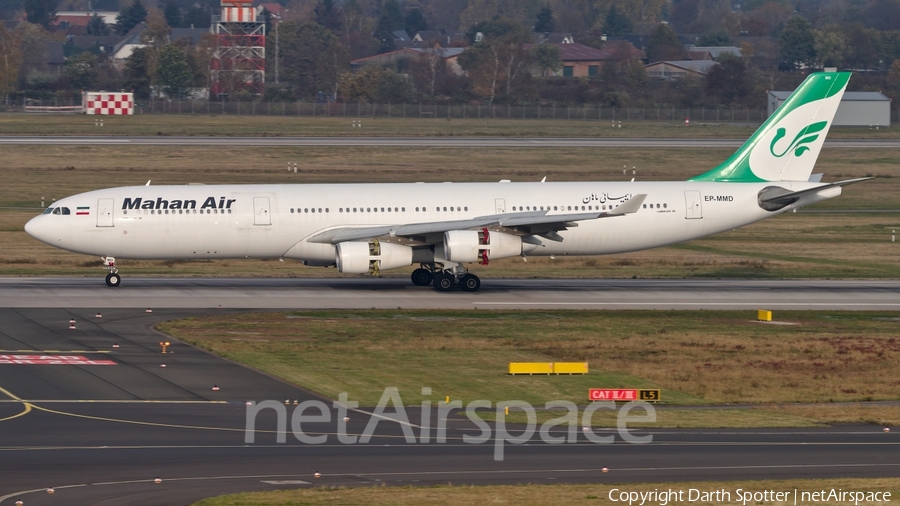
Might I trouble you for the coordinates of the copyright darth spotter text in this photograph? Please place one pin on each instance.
(745, 497)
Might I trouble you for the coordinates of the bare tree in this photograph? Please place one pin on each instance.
(11, 60)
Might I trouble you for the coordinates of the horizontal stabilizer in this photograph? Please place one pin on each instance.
(791, 197)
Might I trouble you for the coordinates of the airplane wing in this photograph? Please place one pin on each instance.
(529, 223)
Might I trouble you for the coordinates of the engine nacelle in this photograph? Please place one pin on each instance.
(466, 246)
(462, 245)
(371, 257)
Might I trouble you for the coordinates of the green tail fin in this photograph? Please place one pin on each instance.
(786, 146)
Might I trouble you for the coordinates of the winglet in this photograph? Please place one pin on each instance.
(630, 207)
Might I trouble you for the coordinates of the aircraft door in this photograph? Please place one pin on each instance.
(105, 212)
(500, 205)
(692, 205)
(261, 215)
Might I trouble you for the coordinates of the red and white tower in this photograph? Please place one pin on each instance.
(239, 61)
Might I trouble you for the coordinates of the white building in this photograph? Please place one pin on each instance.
(858, 108)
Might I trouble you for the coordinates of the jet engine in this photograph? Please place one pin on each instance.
(371, 257)
(465, 246)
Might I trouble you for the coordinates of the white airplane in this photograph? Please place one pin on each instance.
(369, 228)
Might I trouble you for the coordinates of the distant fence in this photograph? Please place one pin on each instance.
(54, 109)
(663, 113)
(539, 112)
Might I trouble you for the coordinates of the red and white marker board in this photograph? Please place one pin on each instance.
(108, 104)
(51, 360)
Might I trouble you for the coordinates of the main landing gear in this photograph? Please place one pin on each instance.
(446, 281)
(113, 278)
(422, 277)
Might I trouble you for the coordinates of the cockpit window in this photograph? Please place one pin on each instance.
(65, 211)
(48, 210)
(57, 211)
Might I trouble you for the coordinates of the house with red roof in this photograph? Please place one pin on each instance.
(75, 22)
(399, 59)
(580, 60)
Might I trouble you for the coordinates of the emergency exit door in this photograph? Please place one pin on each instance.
(105, 212)
(500, 204)
(692, 205)
(261, 215)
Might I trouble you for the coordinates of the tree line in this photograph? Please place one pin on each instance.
(500, 62)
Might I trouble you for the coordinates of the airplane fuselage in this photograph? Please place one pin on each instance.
(277, 221)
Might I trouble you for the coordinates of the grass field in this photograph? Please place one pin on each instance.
(695, 357)
(57, 171)
(803, 245)
(541, 494)
(229, 125)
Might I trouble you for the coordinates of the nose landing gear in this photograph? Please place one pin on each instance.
(113, 278)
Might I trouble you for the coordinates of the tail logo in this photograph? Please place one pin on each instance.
(805, 136)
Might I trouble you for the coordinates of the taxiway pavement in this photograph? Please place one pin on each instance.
(386, 293)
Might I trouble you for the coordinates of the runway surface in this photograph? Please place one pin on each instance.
(101, 434)
(433, 142)
(348, 293)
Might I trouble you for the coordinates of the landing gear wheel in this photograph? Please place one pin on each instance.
(444, 282)
(422, 277)
(470, 283)
(113, 279)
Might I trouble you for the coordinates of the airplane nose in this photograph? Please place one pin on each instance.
(33, 228)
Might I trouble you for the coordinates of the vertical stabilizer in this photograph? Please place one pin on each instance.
(786, 146)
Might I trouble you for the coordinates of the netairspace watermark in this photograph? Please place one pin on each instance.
(314, 411)
(746, 497)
